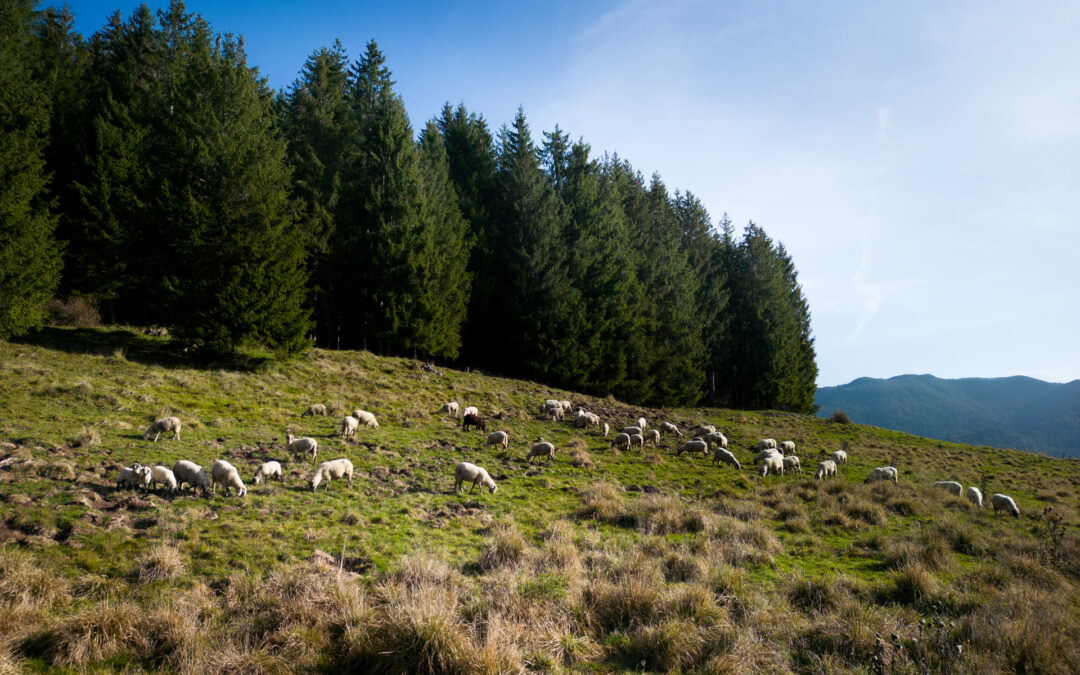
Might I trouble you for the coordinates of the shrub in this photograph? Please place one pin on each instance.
(840, 417)
(913, 584)
(79, 311)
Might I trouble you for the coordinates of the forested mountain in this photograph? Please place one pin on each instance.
(183, 192)
(1009, 412)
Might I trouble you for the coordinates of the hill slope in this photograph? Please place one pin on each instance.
(596, 561)
(1010, 412)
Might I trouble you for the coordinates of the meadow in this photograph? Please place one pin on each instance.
(600, 561)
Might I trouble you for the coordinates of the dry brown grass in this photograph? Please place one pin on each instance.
(161, 562)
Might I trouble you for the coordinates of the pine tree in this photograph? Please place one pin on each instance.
(29, 254)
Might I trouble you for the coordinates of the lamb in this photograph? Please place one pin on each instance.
(465, 471)
(974, 495)
(642, 423)
(192, 474)
(161, 474)
(882, 473)
(715, 437)
(773, 464)
(787, 447)
(766, 443)
(226, 474)
(301, 446)
(366, 418)
(471, 410)
(542, 448)
(134, 476)
(313, 410)
(670, 428)
(791, 463)
(826, 469)
(725, 456)
(1000, 501)
(450, 407)
(702, 429)
(498, 438)
(164, 424)
(621, 440)
(473, 420)
(632, 430)
(335, 468)
(695, 445)
(348, 426)
(840, 457)
(653, 436)
(950, 486)
(607, 429)
(638, 440)
(267, 471)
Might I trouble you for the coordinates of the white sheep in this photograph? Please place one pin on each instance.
(882, 473)
(268, 471)
(773, 464)
(638, 440)
(465, 471)
(631, 430)
(348, 426)
(566, 405)
(192, 474)
(653, 436)
(826, 469)
(313, 410)
(642, 423)
(792, 464)
(226, 474)
(767, 452)
(542, 448)
(366, 418)
(787, 447)
(607, 429)
(670, 428)
(554, 410)
(692, 446)
(950, 486)
(163, 475)
(586, 419)
(725, 456)
(471, 410)
(498, 438)
(335, 468)
(621, 440)
(135, 476)
(1000, 501)
(162, 425)
(840, 457)
(702, 429)
(451, 408)
(715, 437)
(974, 495)
(766, 443)
(301, 446)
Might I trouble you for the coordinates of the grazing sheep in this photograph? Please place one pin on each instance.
(840, 457)
(450, 407)
(553, 403)
(702, 429)
(498, 438)
(134, 476)
(791, 463)
(471, 410)
(348, 426)
(638, 440)
(826, 469)
(766, 453)
(766, 443)
(715, 437)
(301, 446)
(773, 464)
(787, 447)
(226, 474)
(1000, 501)
(465, 471)
(586, 419)
(366, 418)
(621, 440)
(335, 468)
(607, 429)
(642, 423)
(951, 486)
(725, 456)
(882, 473)
(313, 410)
(192, 474)
(161, 474)
(267, 471)
(631, 430)
(974, 495)
(552, 409)
(692, 446)
(653, 436)
(670, 428)
(566, 405)
(164, 424)
(542, 448)
(473, 420)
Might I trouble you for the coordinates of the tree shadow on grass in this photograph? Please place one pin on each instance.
(143, 349)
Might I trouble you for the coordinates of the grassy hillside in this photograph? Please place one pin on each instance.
(599, 561)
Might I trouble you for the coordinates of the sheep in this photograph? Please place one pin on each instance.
(607, 429)
(621, 440)
(882, 473)
(267, 471)
(791, 463)
(161, 474)
(642, 423)
(555, 403)
(840, 457)
(542, 448)
(653, 436)
(473, 420)
(348, 426)
(478, 475)
(498, 438)
(134, 476)
(974, 495)
(670, 428)
(586, 419)
(632, 430)
(725, 456)
(638, 440)
(335, 468)
(471, 410)
(226, 474)
(1000, 501)
(164, 424)
(766, 443)
(451, 408)
(826, 469)
(950, 486)
(773, 464)
(567, 406)
(301, 446)
(701, 430)
(552, 409)
(787, 447)
(715, 437)
(692, 446)
(366, 418)
(313, 410)
(192, 474)
(766, 453)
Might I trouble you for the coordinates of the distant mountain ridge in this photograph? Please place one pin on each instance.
(1007, 412)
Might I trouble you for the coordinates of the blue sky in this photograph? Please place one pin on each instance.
(919, 160)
